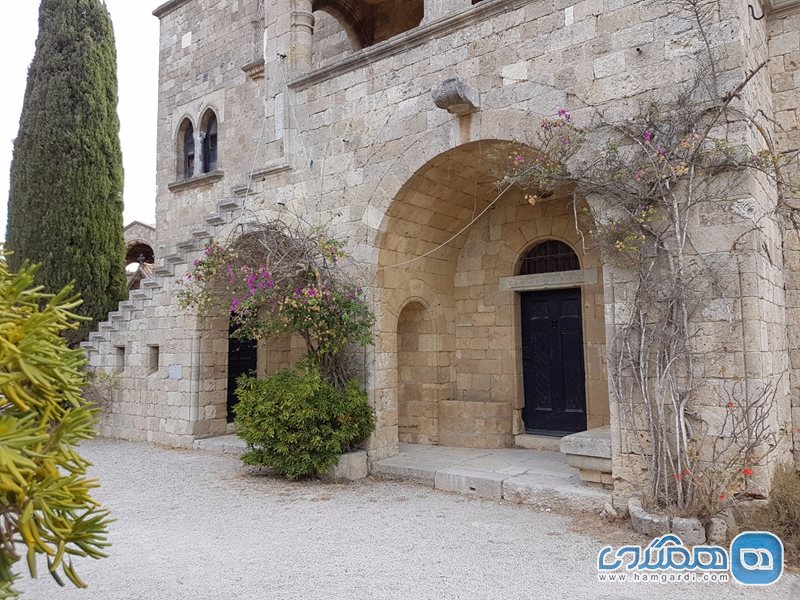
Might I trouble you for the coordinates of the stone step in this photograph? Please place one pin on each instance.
(163, 270)
(241, 190)
(106, 326)
(539, 478)
(127, 305)
(89, 346)
(116, 316)
(151, 284)
(98, 336)
(188, 245)
(215, 219)
(201, 233)
(140, 294)
(229, 204)
(175, 258)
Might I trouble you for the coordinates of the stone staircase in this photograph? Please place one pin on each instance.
(155, 291)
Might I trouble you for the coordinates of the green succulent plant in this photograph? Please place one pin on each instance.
(46, 506)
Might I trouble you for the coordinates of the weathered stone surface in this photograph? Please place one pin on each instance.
(351, 467)
(690, 530)
(553, 493)
(595, 442)
(228, 444)
(456, 97)
(645, 523)
(470, 483)
(403, 178)
(717, 531)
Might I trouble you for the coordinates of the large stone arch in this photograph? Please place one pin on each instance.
(445, 242)
(487, 127)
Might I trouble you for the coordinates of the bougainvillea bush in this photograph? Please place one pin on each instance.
(283, 280)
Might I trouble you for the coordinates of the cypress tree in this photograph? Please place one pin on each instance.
(65, 202)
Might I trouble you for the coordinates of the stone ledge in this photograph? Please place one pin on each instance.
(405, 41)
(199, 181)
(168, 7)
(594, 442)
(255, 69)
(547, 281)
(590, 453)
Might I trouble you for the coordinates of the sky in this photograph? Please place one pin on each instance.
(136, 31)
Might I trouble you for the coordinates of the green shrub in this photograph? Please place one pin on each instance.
(298, 423)
(781, 513)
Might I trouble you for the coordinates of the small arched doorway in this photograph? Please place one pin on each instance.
(418, 376)
(552, 346)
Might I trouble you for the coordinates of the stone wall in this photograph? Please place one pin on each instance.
(357, 142)
(784, 69)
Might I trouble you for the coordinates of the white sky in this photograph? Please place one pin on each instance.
(136, 31)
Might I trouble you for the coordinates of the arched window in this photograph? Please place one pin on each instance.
(210, 143)
(550, 256)
(186, 150)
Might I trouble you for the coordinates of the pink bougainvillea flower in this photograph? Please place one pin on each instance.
(647, 136)
(747, 471)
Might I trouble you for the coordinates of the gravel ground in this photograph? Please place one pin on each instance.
(195, 526)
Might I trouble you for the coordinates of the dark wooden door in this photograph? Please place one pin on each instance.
(552, 358)
(242, 360)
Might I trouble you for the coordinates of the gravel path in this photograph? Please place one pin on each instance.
(195, 526)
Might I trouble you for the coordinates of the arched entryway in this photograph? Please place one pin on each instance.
(551, 326)
(453, 242)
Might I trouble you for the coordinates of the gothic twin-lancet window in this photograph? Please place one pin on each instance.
(189, 144)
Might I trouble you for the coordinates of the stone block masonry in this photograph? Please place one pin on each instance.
(340, 128)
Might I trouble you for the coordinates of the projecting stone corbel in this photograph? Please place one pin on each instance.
(456, 97)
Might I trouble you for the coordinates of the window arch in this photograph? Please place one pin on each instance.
(186, 150)
(549, 256)
(210, 141)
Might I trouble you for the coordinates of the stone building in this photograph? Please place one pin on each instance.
(390, 116)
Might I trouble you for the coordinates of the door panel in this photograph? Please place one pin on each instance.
(552, 360)
(242, 360)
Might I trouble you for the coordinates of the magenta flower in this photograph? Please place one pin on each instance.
(647, 136)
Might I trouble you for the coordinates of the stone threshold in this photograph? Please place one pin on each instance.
(534, 477)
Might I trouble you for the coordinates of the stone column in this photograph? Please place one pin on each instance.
(199, 138)
(438, 9)
(302, 34)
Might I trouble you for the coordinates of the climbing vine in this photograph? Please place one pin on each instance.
(642, 187)
(281, 279)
